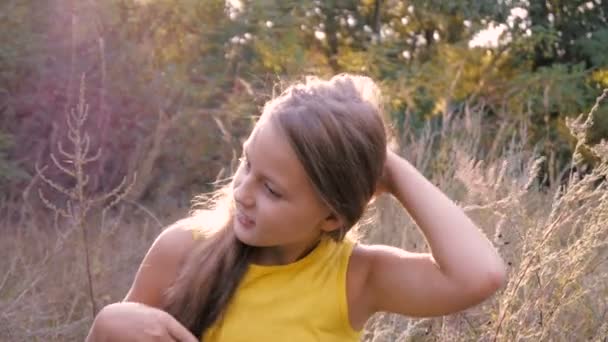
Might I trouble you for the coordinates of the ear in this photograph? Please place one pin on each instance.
(331, 223)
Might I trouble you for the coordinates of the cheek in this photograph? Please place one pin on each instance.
(290, 217)
(272, 211)
(274, 215)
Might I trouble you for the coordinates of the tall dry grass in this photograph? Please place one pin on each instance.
(554, 238)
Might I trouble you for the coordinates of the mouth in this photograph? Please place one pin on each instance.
(244, 220)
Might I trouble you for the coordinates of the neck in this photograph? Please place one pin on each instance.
(285, 254)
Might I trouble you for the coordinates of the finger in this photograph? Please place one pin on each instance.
(179, 332)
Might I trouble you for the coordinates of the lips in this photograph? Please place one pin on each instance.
(244, 220)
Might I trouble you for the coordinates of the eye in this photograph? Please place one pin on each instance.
(272, 192)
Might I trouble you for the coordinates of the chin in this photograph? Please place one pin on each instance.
(246, 235)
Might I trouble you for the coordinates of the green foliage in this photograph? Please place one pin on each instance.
(198, 63)
(595, 47)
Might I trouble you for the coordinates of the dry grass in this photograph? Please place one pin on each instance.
(553, 237)
(44, 293)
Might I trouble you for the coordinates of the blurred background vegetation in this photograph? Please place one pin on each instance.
(172, 85)
(481, 96)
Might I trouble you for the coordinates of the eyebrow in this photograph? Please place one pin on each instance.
(280, 187)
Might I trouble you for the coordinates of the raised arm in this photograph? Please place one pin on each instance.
(462, 269)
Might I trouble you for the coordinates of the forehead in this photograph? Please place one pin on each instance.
(269, 152)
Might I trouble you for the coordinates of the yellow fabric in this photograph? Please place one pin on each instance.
(299, 302)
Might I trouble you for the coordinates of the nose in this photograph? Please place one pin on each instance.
(242, 191)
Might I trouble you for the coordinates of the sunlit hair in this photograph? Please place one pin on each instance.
(336, 129)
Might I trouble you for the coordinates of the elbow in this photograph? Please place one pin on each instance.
(484, 287)
(498, 278)
(493, 280)
(494, 275)
(498, 274)
(486, 284)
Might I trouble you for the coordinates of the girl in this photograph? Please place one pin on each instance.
(271, 261)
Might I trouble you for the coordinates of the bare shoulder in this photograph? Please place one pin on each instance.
(177, 239)
(161, 264)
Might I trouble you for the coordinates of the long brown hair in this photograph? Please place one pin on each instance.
(336, 129)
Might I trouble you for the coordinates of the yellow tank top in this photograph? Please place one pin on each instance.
(300, 302)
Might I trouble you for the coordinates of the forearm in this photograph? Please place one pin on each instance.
(461, 250)
(111, 322)
(99, 331)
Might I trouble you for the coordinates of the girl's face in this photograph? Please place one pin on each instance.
(275, 202)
